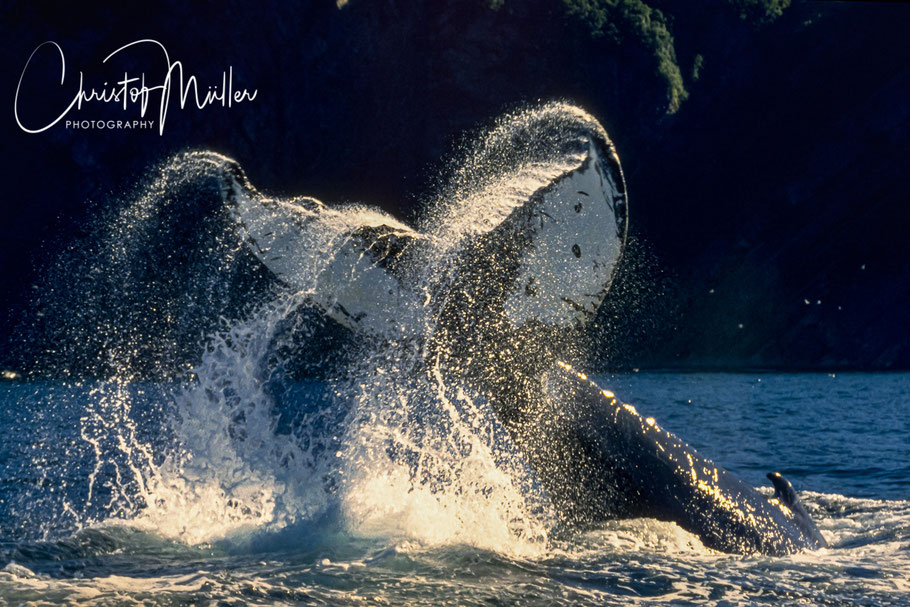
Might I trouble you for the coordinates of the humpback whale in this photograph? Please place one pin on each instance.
(529, 253)
(633, 467)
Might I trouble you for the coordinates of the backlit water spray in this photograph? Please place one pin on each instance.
(399, 445)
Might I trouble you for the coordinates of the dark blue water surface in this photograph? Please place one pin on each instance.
(844, 433)
(75, 498)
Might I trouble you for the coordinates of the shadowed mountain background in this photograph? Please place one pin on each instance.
(765, 147)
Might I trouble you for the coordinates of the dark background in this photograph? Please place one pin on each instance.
(765, 146)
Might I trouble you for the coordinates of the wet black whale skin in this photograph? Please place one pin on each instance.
(600, 459)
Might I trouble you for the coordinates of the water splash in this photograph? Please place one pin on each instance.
(402, 446)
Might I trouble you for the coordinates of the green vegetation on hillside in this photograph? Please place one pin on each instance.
(621, 20)
(759, 11)
(637, 22)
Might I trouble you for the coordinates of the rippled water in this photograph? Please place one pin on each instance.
(395, 481)
(841, 439)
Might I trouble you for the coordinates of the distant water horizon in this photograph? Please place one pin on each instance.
(840, 439)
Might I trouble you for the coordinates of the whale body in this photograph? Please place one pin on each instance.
(531, 268)
(628, 466)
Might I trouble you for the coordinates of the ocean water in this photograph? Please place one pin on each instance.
(167, 451)
(842, 440)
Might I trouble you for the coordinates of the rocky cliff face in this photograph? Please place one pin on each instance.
(765, 146)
